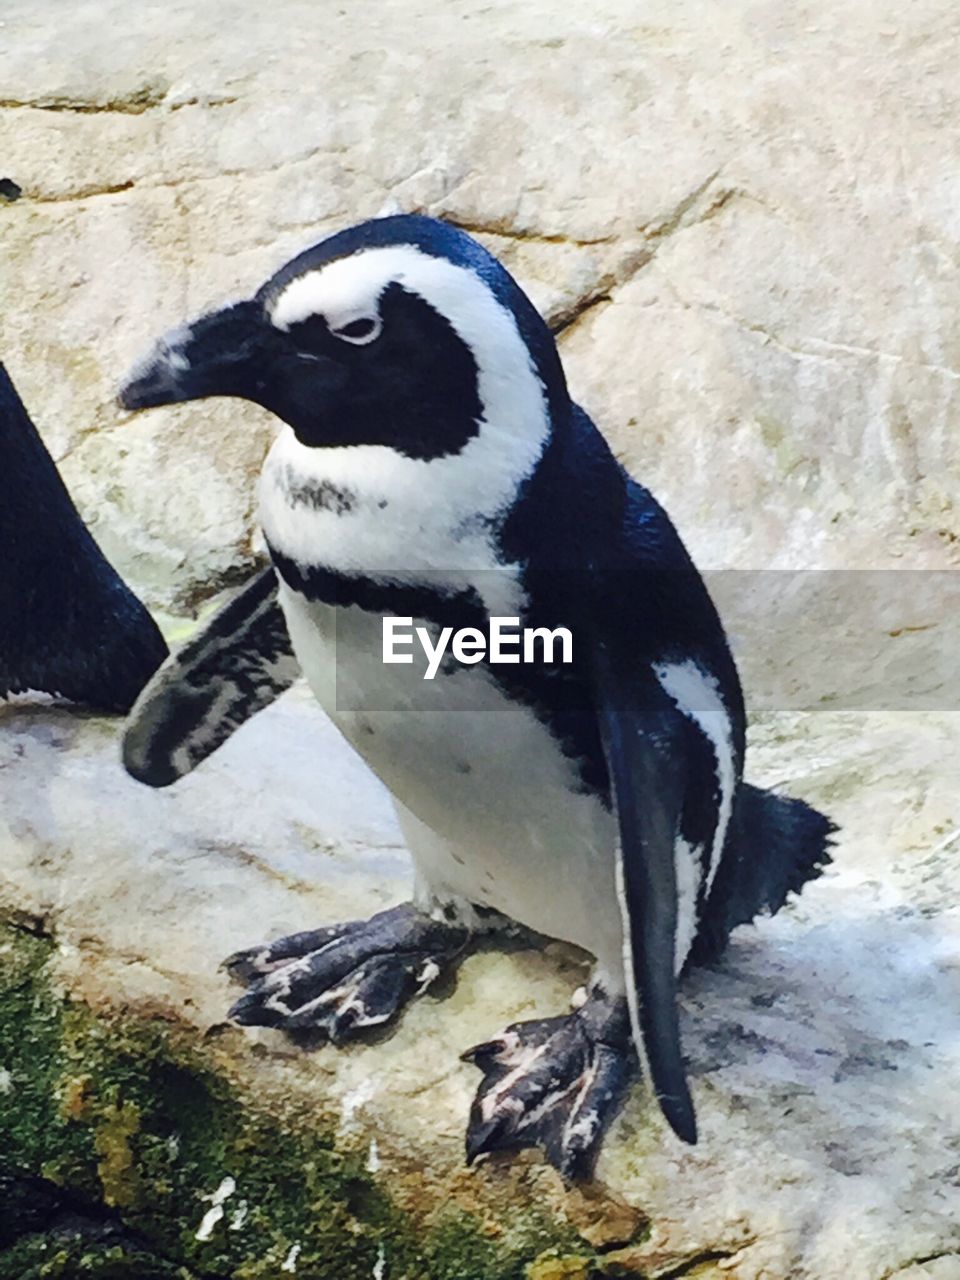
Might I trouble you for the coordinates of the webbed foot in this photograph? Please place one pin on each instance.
(557, 1083)
(347, 977)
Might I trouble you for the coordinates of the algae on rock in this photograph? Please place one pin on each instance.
(133, 1125)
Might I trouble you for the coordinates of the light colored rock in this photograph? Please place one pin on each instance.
(752, 209)
(822, 1050)
(744, 219)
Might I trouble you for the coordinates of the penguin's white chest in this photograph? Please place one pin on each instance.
(509, 825)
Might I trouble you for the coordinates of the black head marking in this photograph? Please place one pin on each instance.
(413, 387)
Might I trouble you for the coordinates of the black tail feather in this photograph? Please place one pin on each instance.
(774, 847)
(68, 624)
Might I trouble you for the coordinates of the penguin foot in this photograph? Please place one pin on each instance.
(557, 1084)
(344, 978)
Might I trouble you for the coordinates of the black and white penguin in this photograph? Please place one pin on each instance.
(68, 624)
(434, 467)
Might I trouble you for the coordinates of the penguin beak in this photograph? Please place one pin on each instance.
(238, 352)
(216, 356)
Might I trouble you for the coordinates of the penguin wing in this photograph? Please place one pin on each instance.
(240, 663)
(644, 744)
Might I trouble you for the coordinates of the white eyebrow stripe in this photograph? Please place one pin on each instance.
(341, 291)
(350, 288)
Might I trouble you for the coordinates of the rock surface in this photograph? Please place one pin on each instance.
(823, 1050)
(745, 215)
(743, 220)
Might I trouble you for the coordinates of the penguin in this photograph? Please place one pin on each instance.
(69, 626)
(432, 467)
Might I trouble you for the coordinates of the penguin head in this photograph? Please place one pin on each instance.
(402, 332)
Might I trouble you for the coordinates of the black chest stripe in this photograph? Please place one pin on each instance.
(557, 694)
(456, 608)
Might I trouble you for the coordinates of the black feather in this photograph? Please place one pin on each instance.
(775, 846)
(239, 663)
(68, 624)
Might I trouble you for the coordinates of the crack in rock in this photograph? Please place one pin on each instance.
(675, 220)
(148, 98)
(36, 924)
(697, 1260)
(502, 227)
(573, 314)
(131, 104)
(155, 182)
(655, 235)
(904, 1267)
(769, 338)
(84, 193)
(36, 1207)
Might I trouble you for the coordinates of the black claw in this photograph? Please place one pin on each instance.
(484, 1138)
(250, 1011)
(481, 1054)
(481, 1139)
(243, 966)
(341, 1025)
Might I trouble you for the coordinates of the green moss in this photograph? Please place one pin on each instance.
(135, 1116)
(458, 1249)
(571, 1267)
(38, 1258)
(168, 1130)
(116, 1127)
(35, 1131)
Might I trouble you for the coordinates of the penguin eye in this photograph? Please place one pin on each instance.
(360, 332)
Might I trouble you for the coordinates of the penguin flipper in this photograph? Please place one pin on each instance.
(69, 625)
(643, 741)
(240, 663)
